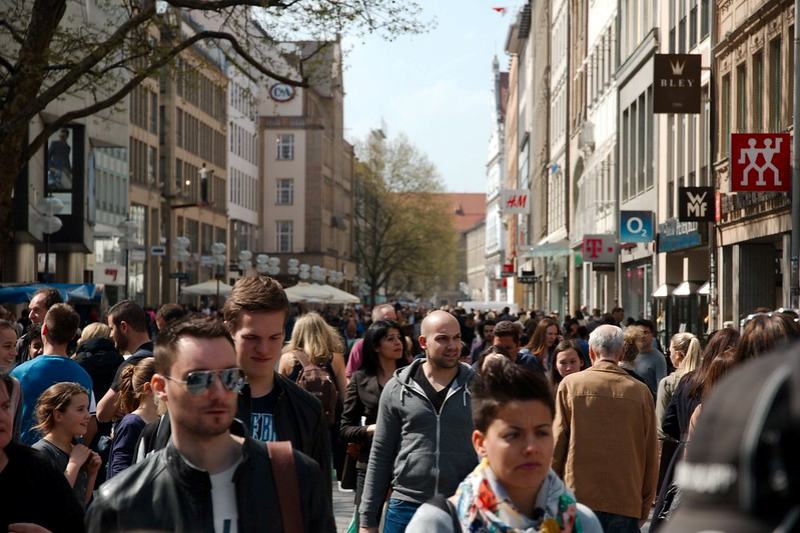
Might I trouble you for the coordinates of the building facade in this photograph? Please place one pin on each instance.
(753, 70)
(307, 170)
(477, 281)
(495, 236)
(682, 265)
(194, 153)
(636, 152)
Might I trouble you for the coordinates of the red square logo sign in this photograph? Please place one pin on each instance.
(761, 162)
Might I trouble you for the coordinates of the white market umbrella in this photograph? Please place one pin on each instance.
(308, 292)
(338, 296)
(208, 288)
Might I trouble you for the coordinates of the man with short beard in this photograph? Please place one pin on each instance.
(423, 432)
(205, 479)
(128, 323)
(43, 299)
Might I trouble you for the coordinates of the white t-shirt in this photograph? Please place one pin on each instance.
(223, 500)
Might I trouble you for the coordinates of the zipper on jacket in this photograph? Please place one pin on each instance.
(438, 430)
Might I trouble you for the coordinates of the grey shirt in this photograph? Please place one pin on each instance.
(415, 450)
(652, 366)
(60, 459)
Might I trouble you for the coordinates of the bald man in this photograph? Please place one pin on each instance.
(422, 444)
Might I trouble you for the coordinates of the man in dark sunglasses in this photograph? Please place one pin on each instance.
(206, 478)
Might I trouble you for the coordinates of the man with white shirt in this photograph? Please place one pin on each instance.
(206, 479)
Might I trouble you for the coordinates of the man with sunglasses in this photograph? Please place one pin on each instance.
(206, 478)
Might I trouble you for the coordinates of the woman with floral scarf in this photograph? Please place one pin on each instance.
(513, 489)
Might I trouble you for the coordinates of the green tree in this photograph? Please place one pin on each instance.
(404, 238)
(100, 50)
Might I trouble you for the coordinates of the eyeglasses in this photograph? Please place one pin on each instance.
(198, 382)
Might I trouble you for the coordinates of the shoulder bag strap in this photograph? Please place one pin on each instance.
(301, 356)
(285, 476)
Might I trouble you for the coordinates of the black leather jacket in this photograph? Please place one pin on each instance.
(163, 493)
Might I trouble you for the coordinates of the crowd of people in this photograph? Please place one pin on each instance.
(247, 418)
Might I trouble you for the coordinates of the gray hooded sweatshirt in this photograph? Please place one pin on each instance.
(415, 451)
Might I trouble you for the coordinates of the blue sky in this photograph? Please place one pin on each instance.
(435, 87)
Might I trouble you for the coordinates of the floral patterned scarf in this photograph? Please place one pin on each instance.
(483, 506)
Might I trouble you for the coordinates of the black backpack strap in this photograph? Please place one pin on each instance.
(443, 503)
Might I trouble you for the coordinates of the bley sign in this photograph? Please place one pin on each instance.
(761, 162)
(676, 83)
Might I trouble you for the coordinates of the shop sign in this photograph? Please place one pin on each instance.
(158, 251)
(599, 249)
(696, 204)
(514, 201)
(761, 162)
(527, 276)
(281, 92)
(507, 270)
(109, 274)
(674, 235)
(676, 85)
(636, 226)
(137, 255)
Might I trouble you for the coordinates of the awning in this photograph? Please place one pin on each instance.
(686, 288)
(663, 291)
(549, 249)
(705, 290)
(70, 292)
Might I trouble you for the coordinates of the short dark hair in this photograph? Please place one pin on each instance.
(131, 313)
(254, 294)
(506, 328)
(376, 332)
(198, 328)
(51, 296)
(171, 312)
(62, 324)
(501, 382)
(646, 324)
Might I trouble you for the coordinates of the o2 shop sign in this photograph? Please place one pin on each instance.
(281, 92)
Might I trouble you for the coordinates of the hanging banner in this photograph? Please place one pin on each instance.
(515, 201)
(599, 249)
(676, 83)
(761, 162)
(696, 204)
(636, 226)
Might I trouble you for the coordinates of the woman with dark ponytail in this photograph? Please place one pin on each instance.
(135, 398)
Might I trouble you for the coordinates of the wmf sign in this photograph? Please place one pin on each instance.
(696, 204)
(636, 226)
(676, 83)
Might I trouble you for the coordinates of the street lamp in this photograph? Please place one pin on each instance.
(182, 254)
(293, 267)
(218, 252)
(303, 272)
(125, 240)
(48, 207)
(245, 262)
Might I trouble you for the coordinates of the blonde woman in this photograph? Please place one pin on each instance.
(319, 344)
(685, 354)
(314, 359)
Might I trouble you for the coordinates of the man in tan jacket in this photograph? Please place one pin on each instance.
(605, 431)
